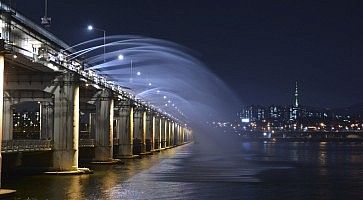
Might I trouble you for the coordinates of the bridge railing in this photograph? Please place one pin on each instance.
(86, 143)
(25, 145)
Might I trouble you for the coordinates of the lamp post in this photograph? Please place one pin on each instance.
(131, 71)
(90, 28)
(121, 57)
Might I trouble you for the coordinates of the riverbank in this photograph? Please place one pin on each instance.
(297, 139)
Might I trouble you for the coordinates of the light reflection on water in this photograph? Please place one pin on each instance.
(242, 170)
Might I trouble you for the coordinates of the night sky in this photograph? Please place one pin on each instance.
(259, 48)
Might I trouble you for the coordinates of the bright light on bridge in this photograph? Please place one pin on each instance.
(120, 57)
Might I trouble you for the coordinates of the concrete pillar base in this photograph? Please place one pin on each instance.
(62, 160)
(7, 194)
(125, 150)
(79, 171)
(128, 157)
(109, 162)
(146, 153)
(102, 153)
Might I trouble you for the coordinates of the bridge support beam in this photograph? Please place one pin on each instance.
(139, 132)
(104, 127)
(47, 123)
(178, 135)
(183, 135)
(92, 125)
(172, 140)
(7, 119)
(126, 130)
(157, 133)
(150, 132)
(163, 133)
(169, 134)
(2, 65)
(66, 123)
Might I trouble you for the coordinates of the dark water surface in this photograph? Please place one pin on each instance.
(216, 170)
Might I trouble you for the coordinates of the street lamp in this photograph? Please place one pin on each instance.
(120, 57)
(91, 28)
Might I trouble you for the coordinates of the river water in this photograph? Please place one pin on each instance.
(216, 169)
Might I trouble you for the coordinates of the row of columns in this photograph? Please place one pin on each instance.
(138, 130)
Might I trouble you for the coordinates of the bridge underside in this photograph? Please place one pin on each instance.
(74, 114)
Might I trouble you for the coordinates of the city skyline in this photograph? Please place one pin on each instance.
(297, 100)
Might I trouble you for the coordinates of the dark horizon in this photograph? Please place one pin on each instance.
(259, 48)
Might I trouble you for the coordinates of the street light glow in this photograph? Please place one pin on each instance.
(120, 57)
(138, 73)
(90, 27)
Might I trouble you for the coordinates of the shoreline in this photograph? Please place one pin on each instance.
(292, 139)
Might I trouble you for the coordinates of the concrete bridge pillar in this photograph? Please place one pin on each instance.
(143, 138)
(172, 134)
(126, 114)
(104, 127)
(186, 135)
(182, 135)
(166, 129)
(162, 133)
(46, 123)
(66, 123)
(2, 65)
(92, 125)
(150, 131)
(7, 119)
(176, 134)
(116, 125)
(179, 134)
(157, 133)
(169, 134)
(139, 131)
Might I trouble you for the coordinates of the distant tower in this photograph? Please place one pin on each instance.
(295, 108)
(46, 21)
(296, 95)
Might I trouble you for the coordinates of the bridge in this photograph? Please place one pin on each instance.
(34, 68)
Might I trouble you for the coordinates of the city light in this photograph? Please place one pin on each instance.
(90, 27)
(120, 57)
